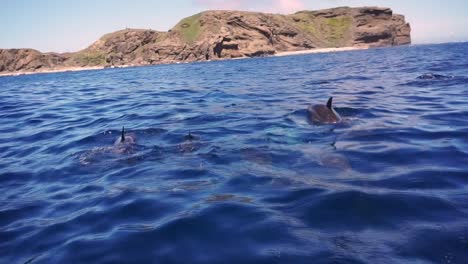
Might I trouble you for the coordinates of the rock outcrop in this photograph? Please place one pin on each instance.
(213, 35)
(12, 60)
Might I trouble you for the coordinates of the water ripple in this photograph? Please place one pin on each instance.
(227, 167)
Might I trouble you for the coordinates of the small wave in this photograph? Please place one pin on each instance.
(366, 209)
(427, 179)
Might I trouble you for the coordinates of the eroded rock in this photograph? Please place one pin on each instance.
(214, 35)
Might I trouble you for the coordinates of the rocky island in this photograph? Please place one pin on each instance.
(215, 35)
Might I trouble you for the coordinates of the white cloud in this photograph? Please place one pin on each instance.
(275, 6)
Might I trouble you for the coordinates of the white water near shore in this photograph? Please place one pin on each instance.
(65, 69)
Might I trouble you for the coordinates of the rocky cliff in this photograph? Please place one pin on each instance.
(215, 35)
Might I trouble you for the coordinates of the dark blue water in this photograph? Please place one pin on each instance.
(258, 183)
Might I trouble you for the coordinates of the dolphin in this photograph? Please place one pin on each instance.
(324, 114)
(125, 143)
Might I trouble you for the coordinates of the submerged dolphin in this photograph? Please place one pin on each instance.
(125, 143)
(324, 114)
(190, 143)
(434, 76)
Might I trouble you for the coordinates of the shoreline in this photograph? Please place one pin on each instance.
(70, 69)
(89, 68)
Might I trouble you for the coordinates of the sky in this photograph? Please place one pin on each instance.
(71, 25)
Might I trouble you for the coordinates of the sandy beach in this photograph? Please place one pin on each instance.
(278, 54)
(324, 50)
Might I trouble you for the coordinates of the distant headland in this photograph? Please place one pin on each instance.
(215, 35)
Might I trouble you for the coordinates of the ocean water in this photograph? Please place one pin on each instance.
(257, 182)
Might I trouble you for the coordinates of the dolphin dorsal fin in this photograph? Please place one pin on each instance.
(189, 136)
(122, 137)
(329, 103)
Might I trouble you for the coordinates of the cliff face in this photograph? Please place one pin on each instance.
(214, 35)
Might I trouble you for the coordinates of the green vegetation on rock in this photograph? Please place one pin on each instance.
(337, 27)
(331, 31)
(305, 21)
(189, 28)
(90, 58)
